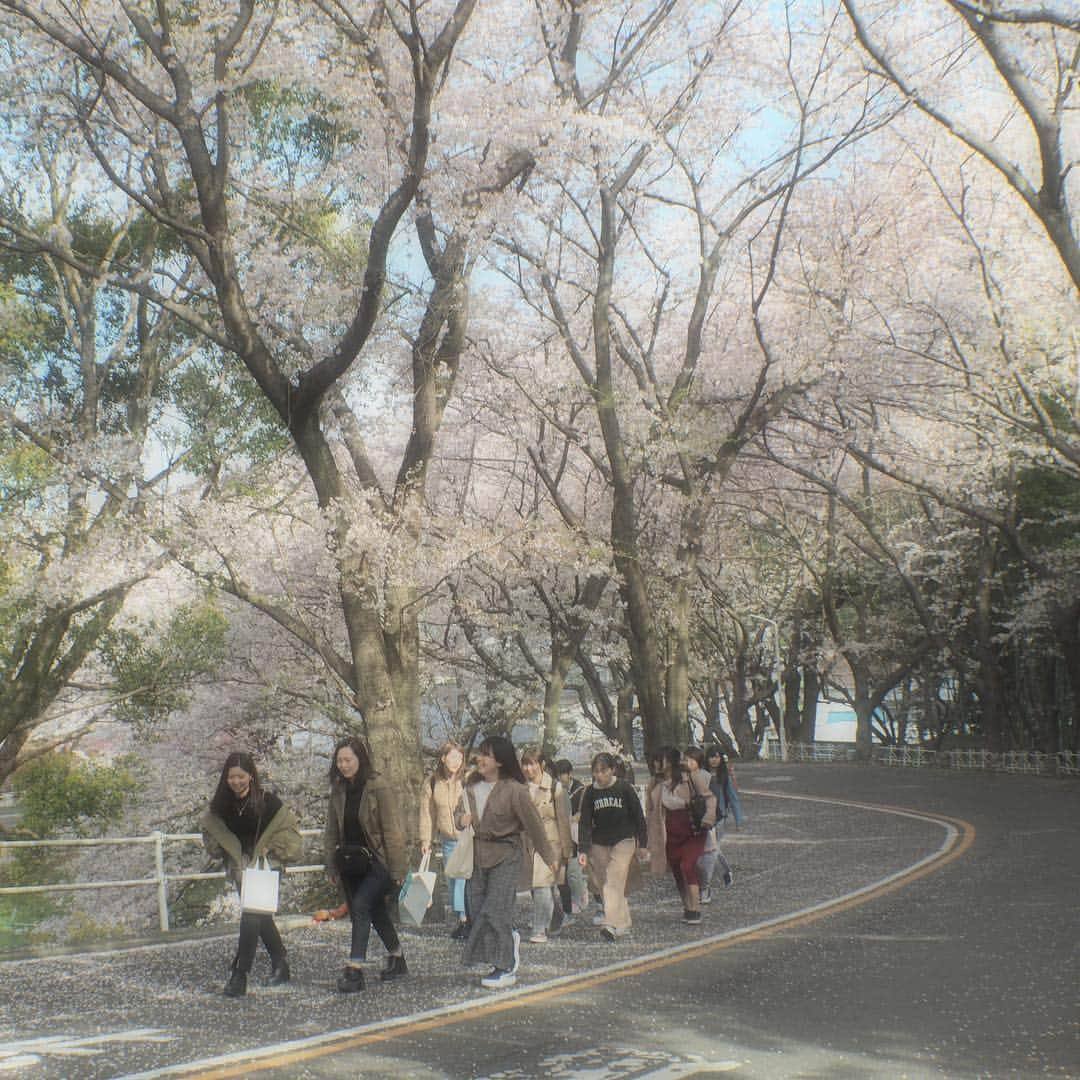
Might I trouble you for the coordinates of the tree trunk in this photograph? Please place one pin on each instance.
(864, 712)
(1066, 623)
(811, 691)
(553, 691)
(739, 705)
(792, 711)
(645, 661)
(988, 677)
(677, 676)
(625, 713)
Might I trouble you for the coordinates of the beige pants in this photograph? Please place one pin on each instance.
(609, 867)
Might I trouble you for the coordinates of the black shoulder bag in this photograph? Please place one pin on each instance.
(353, 859)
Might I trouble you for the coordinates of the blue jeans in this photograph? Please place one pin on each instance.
(367, 899)
(456, 885)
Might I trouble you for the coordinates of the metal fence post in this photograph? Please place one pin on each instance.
(162, 883)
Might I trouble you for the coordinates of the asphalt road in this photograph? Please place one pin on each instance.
(967, 967)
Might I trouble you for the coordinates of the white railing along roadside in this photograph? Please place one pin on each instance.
(1037, 763)
(160, 880)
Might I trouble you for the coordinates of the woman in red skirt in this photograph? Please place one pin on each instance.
(677, 833)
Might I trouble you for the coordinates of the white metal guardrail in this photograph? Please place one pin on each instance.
(160, 880)
(1037, 763)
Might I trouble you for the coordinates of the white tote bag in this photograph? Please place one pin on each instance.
(460, 862)
(259, 888)
(416, 893)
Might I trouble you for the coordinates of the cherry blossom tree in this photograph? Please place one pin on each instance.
(1004, 87)
(958, 395)
(286, 148)
(673, 351)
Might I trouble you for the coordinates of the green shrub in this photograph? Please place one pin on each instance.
(62, 792)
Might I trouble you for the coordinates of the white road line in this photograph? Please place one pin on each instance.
(22, 1053)
(678, 1071)
(21, 1062)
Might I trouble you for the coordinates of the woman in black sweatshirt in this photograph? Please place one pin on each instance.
(611, 829)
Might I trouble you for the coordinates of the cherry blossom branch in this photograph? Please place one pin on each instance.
(1048, 202)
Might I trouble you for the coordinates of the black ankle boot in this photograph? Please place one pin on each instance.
(395, 969)
(351, 981)
(280, 973)
(461, 931)
(237, 984)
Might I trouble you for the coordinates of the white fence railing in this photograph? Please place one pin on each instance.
(160, 880)
(1063, 763)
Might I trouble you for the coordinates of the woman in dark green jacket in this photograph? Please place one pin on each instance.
(242, 824)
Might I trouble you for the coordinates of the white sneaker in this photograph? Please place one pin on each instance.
(517, 951)
(539, 938)
(599, 920)
(497, 979)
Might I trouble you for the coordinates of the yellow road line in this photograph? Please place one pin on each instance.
(962, 836)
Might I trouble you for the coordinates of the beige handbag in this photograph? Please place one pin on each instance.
(460, 862)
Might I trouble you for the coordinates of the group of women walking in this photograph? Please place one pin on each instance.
(520, 826)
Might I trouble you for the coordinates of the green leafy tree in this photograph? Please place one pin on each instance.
(62, 792)
(151, 678)
(106, 398)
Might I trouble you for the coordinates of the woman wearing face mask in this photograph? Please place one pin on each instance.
(364, 851)
(611, 829)
(439, 803)
(502, 815)
(242, 824)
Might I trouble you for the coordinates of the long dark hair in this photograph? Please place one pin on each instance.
(502, 750)
(659, 757)
(672, 757)
(720, 772)
(224, 800)
(362, 755)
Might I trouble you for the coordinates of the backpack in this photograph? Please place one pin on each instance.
(698, 807)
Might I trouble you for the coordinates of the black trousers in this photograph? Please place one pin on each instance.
(254, 927)
(368, 898)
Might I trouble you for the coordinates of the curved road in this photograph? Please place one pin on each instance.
(880, 945)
